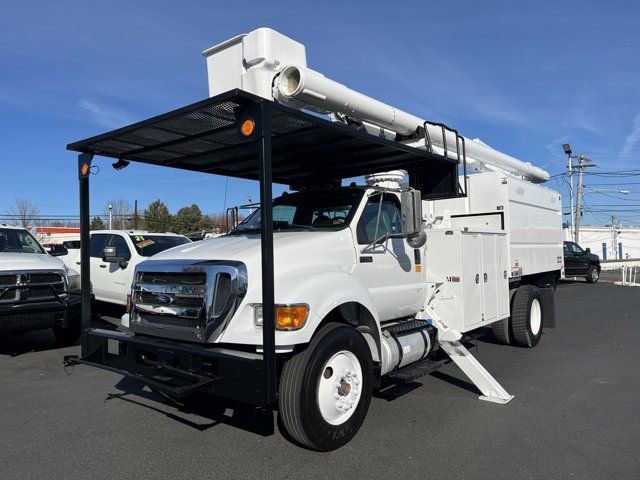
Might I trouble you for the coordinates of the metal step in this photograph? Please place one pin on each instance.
(418, 369)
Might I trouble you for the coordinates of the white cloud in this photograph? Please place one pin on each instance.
(632, 139)
(104, 115)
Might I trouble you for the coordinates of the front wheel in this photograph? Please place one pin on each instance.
(325, 390)
(593, 274)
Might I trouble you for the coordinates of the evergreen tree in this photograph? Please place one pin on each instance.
(97, 224)
(157, 217)
(189, 219)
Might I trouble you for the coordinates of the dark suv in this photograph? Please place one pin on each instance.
(581, 263)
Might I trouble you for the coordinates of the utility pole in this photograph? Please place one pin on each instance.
(135, 214)
(583, 162)
(614, 236)
(110, 217)
(567, 150)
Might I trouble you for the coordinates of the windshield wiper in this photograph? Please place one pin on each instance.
(294, 225)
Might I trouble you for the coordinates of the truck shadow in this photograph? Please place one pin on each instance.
(391, 389)
(14, 345)
(200, 412)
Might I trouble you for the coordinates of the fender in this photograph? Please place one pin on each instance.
(345, 288)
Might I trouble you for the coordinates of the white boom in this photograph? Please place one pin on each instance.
(269, 64)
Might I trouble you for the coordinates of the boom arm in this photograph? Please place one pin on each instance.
(273, 66)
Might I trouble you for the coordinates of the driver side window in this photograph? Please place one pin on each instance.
(122, 249)
(390, 221)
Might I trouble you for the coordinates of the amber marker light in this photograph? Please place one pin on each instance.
(247, 127)
(84, 169)
(291, 317)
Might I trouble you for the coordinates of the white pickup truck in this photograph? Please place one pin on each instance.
(114, 256)
(37, 290)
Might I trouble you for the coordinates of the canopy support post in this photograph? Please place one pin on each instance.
(84, 170)
(266, 209)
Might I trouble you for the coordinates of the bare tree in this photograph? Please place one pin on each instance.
(23, 212)
(121, 213)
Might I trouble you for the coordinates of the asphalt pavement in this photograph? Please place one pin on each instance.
(576, 414)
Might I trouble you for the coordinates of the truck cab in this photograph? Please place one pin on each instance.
(115, 255)
(347, 237)
(37, 290)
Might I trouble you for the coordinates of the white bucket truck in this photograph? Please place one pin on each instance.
(320, 293)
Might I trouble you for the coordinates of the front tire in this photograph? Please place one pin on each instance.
(526, 316)
(593, 274)
(325, 390)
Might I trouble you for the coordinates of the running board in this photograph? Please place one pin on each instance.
(449, 341)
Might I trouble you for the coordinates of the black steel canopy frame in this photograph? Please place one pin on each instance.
(283, 145)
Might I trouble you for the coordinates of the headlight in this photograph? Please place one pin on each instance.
(288, 317)
(73, 283)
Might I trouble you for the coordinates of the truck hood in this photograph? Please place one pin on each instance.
(29, 261)
(313, 249)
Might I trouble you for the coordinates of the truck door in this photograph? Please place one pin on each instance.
(391, 270)
(118, 279)
(575, 263)
(98, 268)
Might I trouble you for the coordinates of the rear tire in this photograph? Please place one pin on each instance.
(593, 274)
(500, 330)
(325, 390)
(527, 316)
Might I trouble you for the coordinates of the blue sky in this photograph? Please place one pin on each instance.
(523, 78)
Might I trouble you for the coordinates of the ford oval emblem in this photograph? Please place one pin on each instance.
(164, 299)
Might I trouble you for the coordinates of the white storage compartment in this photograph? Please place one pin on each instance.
(530, 214)
(474, 266)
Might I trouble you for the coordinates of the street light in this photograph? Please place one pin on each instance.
(567, 148)
(110, 215)
(598, 190)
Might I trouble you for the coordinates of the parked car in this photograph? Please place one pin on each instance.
(581, 263)
(114, 256)
(37, 290)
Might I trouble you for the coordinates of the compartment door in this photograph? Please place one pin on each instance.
(489, 277)
(472, 280)
(503, 276)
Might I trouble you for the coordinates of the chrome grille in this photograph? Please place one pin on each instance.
(185, 300)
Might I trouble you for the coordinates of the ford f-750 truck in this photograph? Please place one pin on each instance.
(325, 290)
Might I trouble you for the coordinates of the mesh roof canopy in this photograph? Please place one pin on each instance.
(205, 137)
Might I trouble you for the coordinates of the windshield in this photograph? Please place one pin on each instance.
(147, 245)
(18, 241)
(309, 210)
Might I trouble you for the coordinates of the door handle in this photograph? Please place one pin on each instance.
(103, 266)
(485, 278)
(77, 263)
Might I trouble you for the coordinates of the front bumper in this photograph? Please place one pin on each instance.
(37, 315)
(177, 369)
